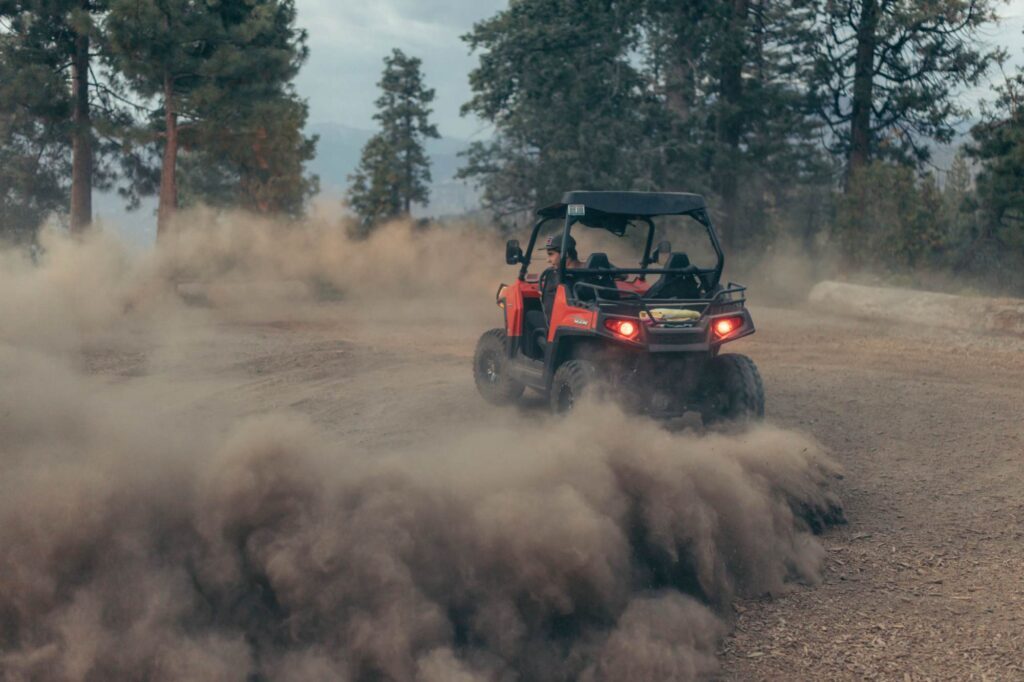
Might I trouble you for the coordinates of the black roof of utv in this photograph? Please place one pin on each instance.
(627, 204)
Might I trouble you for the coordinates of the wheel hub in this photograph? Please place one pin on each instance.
(491, 369)
(566, 399)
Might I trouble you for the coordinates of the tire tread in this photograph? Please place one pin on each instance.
(507, 390)
(577, 374)
(742, 382)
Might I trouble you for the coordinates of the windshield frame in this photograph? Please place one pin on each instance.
(700, 215)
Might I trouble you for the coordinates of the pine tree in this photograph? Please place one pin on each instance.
(888, 71)
(730, 74)
(258, 164)
(34, 140)
(394, 171)
(253, 138)
(998, 146)
(51, 42)
(161, 47)
(222, 74)
(712, 105)
(568, 104)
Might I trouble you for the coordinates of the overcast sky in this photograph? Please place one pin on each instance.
(348, 40)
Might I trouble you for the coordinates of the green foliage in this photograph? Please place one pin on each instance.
(744, 104)
(998, 146)
(892, 219)
(37, 46)
(258, 163)
(569, 106)
(914, 59)
(654, 95)
(34, 141)
(394, 171)
(226, 69)
(758, 105)
(33, 179)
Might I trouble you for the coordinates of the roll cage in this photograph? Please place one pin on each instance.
(614, 211)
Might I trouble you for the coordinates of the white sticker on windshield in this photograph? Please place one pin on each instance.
(577, 209)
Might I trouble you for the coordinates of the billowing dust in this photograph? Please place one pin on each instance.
(140, 543)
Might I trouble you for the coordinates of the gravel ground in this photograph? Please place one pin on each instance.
(926, 582)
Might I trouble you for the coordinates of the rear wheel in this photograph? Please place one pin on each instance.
(490, 369)
(731, 390)
(573, 380)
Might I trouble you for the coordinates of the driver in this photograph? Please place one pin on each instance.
(537, 319)
(549, 277)
(553, 246)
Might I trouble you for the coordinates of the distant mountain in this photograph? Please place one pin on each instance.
(337, 153)
(339, 149)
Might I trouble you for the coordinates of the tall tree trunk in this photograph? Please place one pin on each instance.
(684, 18)
(407, 201)
(730, 119)
(679, 79)
(863, 82)
(168, 171)
(81, 138)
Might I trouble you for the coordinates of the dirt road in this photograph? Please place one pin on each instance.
(925, 583)
(927, 580)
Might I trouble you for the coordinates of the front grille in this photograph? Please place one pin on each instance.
(676, 335)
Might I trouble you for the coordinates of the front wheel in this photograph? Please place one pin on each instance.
(490, 369)
(731, 390)
(573, 380)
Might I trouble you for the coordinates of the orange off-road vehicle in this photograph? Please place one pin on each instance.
(651, 336)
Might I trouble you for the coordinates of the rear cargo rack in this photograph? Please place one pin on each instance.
(729, 299)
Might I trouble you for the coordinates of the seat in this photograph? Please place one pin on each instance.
(597, 261)
(676, 285)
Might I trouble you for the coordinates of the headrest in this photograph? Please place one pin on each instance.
(598, 261)
(677, 261)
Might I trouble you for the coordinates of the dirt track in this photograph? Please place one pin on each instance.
(925, 582)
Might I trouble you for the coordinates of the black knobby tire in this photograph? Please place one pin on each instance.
(731, 390)
(490, 369)
(573, 380)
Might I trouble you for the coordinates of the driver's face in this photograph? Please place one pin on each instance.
(553, 258)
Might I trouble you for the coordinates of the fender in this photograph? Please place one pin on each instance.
(564, 315)
(510, 298)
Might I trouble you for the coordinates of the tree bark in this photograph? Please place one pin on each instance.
(407, 200)
(679, 87)
(81, 138)
(863, 82)
(730, 120)
(168, 171)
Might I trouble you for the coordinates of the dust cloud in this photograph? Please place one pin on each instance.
(141, 542)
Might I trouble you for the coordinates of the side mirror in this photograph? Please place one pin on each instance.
(664, 248)
(513, 254)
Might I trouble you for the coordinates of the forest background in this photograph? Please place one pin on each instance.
(885, 134)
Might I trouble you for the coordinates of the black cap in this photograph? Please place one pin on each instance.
(554, 243)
